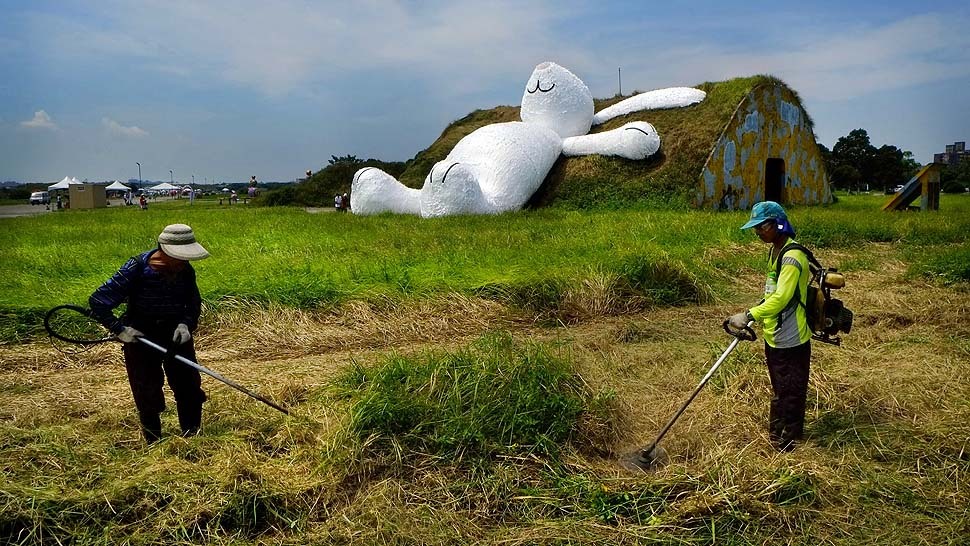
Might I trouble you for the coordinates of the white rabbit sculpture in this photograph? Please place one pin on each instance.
(498, 167)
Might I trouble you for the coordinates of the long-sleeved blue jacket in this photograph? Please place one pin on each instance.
(155, 300)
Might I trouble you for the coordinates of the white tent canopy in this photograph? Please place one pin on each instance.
(64, 183)
(164, 186)
(117, 186)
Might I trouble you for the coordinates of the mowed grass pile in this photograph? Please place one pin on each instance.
(504, 441)
(555, 264)
(81, 478)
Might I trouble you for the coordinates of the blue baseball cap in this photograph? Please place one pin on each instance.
(766, 210)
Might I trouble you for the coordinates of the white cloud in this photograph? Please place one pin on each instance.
(40, 121)
(117, 129)
(285, 46)
(834, 63)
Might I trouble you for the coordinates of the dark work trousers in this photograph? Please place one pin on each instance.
(147, 369)
(788, 370)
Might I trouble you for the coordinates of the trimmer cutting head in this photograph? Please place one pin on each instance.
(653, 456)
(643, 460)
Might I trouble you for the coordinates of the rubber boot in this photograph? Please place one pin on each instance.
(190, 418)
(151, 427)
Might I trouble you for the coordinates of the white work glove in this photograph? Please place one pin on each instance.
(181, 334)
(129, 334)
(739, 321)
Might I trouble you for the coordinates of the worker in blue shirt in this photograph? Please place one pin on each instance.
(163, 304)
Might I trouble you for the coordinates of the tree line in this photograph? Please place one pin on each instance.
(855, 164)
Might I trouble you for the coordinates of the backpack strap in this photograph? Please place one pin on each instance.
(796, 296)
(795, 246)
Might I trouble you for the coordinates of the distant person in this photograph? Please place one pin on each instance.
(233, 197)
(164, 305)
(788, 337)
(345, 202)
(142, 202)
(337, 202)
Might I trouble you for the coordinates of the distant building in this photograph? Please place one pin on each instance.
(766, 152)
(954, 154)
(87, 196)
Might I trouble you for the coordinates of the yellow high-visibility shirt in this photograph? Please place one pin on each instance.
(784, 322)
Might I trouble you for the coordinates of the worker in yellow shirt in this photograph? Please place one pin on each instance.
(787, 334)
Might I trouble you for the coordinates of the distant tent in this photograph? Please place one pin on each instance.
(117, 186)
(64, 184)
(164, 186)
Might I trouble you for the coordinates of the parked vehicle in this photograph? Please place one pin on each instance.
(40, 198)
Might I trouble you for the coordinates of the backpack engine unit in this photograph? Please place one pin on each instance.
(827, 316)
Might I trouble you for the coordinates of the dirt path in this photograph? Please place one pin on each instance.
(12, 211)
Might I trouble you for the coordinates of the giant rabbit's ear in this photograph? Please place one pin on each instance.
(558, 100)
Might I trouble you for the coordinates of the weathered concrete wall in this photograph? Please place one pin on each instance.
(769, 123)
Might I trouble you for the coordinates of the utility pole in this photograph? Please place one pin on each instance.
(619, 80)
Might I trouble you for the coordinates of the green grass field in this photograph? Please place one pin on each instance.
(534, 259)
(476, 380)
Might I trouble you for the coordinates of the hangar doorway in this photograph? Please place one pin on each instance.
(774, 179)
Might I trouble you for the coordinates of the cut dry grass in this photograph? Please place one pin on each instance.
(886, 459)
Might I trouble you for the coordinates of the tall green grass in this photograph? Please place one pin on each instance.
(494, 397)
(538, 260)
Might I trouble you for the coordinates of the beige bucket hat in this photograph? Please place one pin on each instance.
(178, 241)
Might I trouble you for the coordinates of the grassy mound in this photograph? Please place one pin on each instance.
(668, 179)
(332, 180)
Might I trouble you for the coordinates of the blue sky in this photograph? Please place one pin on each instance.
(224, 90)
